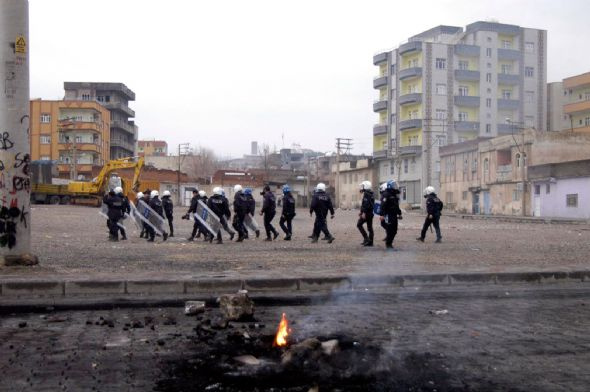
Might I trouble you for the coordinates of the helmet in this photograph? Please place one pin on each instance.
(166, 193)
(286, 189)
(154, 194)
(217, 191)
(391, 184)
(365, 185)
(202, 193)
(321, 187)
(237, 188)
(139, 195)
(383, 187)
(428, 190)
(118, 190)
(248, 191)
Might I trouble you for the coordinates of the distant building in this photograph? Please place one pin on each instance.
(569, 104)
(115, 97)
(352, 173)
(447, 85)
(147, 148)
(68, 131)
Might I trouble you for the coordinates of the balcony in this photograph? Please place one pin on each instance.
(412, 98)
(410, 124)
(80, 147)
(506, 129)
(410, 47)
(504, 173)
(466, 75)
(120, 107)
(466, 126)
(467, 50)
(380, 129)
(69, 125)
(410, 150)
(408, 73)
(577, 107)
(80, 168)
(379, 106)
(467, 101)
(122, 143)
(123, 125)
(380, 154)
(508, 104)
(380, 81)
(508, 79)
(380, 58)
(509, 54)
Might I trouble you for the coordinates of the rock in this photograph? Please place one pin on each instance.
(438, 312)
(22, 324)
(237, 307)
(194, 307)
(330, 347)
(247, 360)
(298, 354)
(24, 259)
(136, 324)
(161, 342)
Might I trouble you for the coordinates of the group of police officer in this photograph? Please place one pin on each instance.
(244, 206)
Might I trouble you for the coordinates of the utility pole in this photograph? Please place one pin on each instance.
(15, 189)
(182, 148)
(346, 144)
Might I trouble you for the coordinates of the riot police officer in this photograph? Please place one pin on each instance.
(288, 212)
(251, 208)
(366, 213)
(434, 207)
(114, 203)
(168, 210)
(125, 209)
(390, 212)
(156, 205)
(240, 211)
(220, 207)
(269, 210)
(321, 204)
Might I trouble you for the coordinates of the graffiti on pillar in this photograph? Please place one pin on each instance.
(5, 142)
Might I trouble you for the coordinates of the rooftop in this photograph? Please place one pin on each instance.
(102, 86)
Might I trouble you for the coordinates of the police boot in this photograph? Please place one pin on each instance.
(257, 233)
(240, 239)
(368, 243)
(171, 233)
(331, 239)
(288, 237)
(275, 235)
(165, 235)
(191, 238)
(314, 240)
(220, 241)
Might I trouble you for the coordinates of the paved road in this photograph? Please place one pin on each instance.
(72, 242)
(526, 339)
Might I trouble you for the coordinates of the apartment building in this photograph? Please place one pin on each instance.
(115, 97)
(74, 133)
(448, 85)
(568, 104)
(147, 148)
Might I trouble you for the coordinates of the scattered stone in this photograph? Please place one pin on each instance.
(161, 342)
(136, 324)
(330, 347)
(247, 360)
(219, 323)
(237, 307)
(169, 320)
(22, 324)
(438, 312)
(298, 354)
(194, 307)
(57, 319)
(24, 259)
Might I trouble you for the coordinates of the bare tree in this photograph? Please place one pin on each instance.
(201, 162)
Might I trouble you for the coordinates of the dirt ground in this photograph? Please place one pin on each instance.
(71, 241)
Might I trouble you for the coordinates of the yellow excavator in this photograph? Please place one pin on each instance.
(92, 192)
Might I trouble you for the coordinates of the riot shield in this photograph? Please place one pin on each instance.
(207, 218)
(135, 218)
(251, 223)
(151, 218)
(104, 210)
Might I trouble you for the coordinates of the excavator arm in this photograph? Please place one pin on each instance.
(96, 186)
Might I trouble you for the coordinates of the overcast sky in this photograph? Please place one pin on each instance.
(223, 73)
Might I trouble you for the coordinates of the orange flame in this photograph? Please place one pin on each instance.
(282, 333)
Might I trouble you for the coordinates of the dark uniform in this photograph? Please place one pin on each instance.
(197, 228)
(115, 204)
(169, 212)
(390, 212)
(366, 216)
(156, 205)
(321, 203)
(146, 229)
(240, 211)
(251, 209)
(269, 210)
(433, 208)
(287, 215)
(219, 205)
(126, 209)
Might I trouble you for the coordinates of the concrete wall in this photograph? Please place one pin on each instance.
(553, 204)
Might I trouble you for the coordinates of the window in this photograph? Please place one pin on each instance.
(441, 63)
(506, 44)
(587, 121)
(474, 165)
(515, 195)
(529, 96)
(464, 195)
(489, 77)
(587, 96)
(441, 89)
(506, 94)
(463, 116)
(489, 65)
(571, 200)
(100, 98)
(45, 139)
(529, 47)
(488, 128)
(441, 114)
(392, 169)
(537, 189)
(45, 158)
(517, 160)
(449, 197)
(404, 193)
(45, 118)
(488, 52)
(547, 188)
(486, 165)
(406, 166)
(463, 91)
(393, 68)
(489, 90)
(488, 102)
(529, 72)
(464, 65)
(85, 97)
(413, 63)
(412, 88)
(506, 69)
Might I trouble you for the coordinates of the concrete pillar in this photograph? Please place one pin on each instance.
(15, 184)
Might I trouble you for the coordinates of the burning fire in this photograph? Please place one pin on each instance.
(282, 333)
